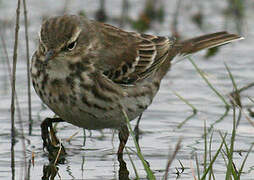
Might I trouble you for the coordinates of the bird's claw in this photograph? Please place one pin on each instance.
(50, 141)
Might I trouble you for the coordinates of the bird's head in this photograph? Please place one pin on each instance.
(63, 37)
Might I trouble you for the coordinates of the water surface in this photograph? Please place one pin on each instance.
(159, 125)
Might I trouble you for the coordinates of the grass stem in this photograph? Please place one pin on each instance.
(141, 157)
(208, 83)
(28, 69)
(172, 157)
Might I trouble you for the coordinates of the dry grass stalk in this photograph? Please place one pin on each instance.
(70, 138)
(13, 92)
(13, 83)
(58, 153)
(28, 65)
(170, 160)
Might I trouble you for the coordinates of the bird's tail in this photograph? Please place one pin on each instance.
(196, 44)
(184, 48)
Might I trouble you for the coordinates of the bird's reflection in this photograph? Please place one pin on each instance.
(55, 158)
(123, 171)
(57, 155)
(50, 171)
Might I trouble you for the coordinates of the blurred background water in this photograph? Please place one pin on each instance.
(159, 125)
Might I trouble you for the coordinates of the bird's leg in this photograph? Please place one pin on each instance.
(54, 139)
(123, 137)
(123, 171)
(136, 130)
(49, 141)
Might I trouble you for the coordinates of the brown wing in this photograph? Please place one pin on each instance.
(127, 57)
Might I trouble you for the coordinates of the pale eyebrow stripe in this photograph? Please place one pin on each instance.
(76, 35)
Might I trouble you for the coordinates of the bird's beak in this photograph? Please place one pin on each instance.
(50, 54)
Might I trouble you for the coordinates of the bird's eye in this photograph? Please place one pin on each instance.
(72, 45)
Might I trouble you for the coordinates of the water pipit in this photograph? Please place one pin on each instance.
(89, 73)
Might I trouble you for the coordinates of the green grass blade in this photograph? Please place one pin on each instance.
(218, 120)
(223, 154)
(213, 160)
(205, 139)
(235, 97)
(225, 144)
(230, 169)
(229, 165)
(187, 119)
(197, 164)
(231, 77)
(241, 168)
(189, 104)
(133, 165)
(186, 102)
(211, 174)
(141, 157)
(208, 83)
(246, 87)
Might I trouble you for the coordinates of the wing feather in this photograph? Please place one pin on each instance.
(131, 56)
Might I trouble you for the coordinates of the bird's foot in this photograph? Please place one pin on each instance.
(50, 141)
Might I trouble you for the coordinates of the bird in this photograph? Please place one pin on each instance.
(93, 75)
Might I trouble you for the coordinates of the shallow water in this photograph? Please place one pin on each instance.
(159, 124)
